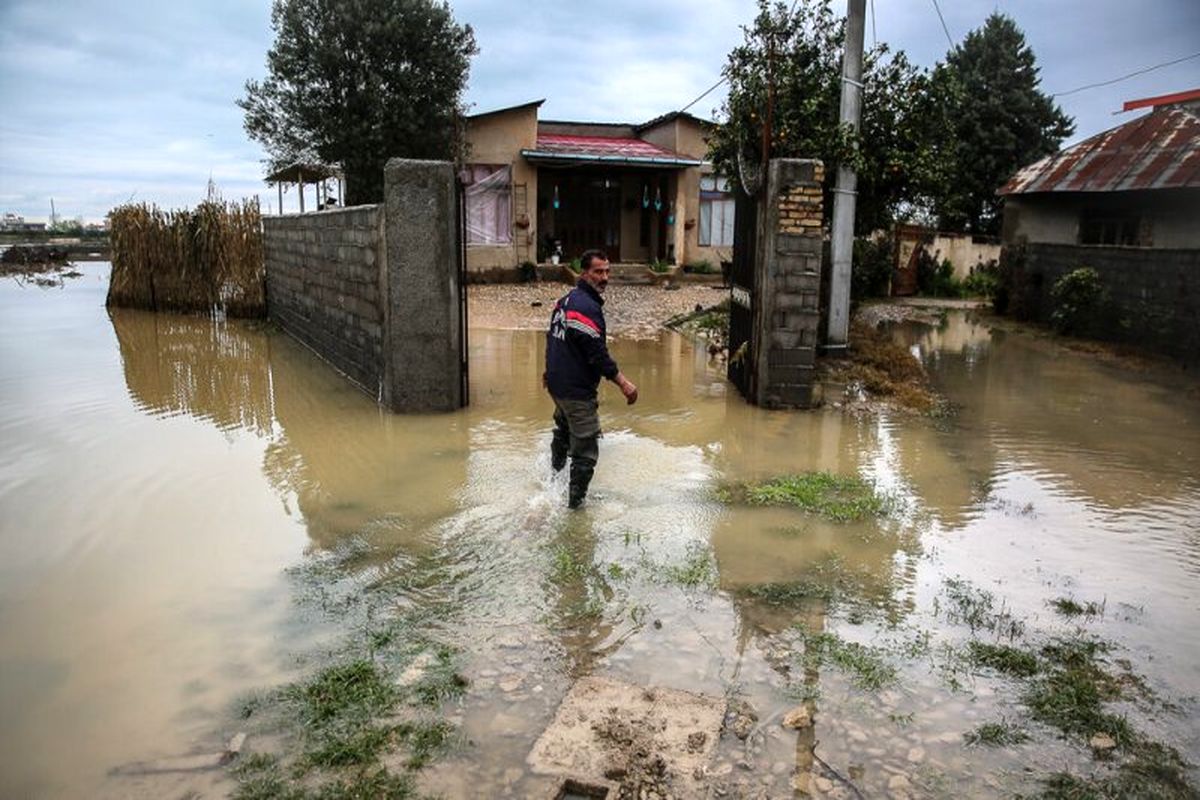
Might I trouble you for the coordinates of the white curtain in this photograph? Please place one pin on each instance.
(489, 203)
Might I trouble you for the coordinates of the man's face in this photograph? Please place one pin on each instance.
(597, 274)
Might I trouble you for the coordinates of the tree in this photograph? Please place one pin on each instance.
(798, 51)
(998, 121)
(356, 82)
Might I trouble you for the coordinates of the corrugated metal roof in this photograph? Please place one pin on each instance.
(558, 146)
(1160, 150)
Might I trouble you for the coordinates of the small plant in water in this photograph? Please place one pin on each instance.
(1070, 607)
(995, 734)
(864, 664)
(838, 497)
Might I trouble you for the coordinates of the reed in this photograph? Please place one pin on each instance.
(205, 260)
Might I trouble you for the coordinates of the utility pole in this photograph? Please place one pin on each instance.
(845, 191)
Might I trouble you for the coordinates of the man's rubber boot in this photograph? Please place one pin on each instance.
(581, 476)
(559, 445)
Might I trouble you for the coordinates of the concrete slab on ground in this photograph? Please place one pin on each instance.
(637, 736)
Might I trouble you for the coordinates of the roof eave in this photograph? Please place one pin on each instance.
(546, 155)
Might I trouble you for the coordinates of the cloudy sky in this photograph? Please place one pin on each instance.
(101, 102)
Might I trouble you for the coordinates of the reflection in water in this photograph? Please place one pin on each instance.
(131, 616)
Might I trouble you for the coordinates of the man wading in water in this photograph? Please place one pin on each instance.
(576, 358)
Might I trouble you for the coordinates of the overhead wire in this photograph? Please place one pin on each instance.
(1133, 74)
(938, 9)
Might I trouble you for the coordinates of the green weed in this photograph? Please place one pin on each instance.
(1069, 607)
(864, 664)
(838, 497)
(995, 734)
(1002, 658)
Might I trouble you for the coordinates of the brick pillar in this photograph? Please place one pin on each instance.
(787, 284)
(423, 339)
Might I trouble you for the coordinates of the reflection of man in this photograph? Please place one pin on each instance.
(576, 358)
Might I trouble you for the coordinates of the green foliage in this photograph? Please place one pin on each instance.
(660, 266)
(1071, 694)
(797, 47)
(864, 664)
(872, 273)
(702, 267)
(984, 280)
(838, 497)
(995, 734)
(996, 120)
(936, 278)
(575, 265)
(1077, 299)
(698, 570)
(1002, 658)
(1070, 607)
(358, 83)
(527, 272)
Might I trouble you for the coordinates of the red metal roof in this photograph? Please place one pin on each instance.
(604, 148)
(1160, 150)
(1162, 100)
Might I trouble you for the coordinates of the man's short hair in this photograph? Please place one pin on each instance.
(585, 260)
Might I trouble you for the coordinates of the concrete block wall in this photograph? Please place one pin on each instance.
(325, 286)
(1154, 294)
(788, 284)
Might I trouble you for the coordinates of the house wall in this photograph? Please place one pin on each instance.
(498, 139)
(325, 286)
(631, 219)
(1153, 295)
(962, 252)
(374, 290)
(1053, 217)
(685, 136)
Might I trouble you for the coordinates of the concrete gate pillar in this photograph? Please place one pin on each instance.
(788, 284)
(423, 343)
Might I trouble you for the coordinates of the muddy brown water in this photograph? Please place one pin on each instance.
(163, 478)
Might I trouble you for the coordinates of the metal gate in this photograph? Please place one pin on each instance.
(465, 363)
(741, 282)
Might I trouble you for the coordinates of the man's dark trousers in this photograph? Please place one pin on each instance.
(576, 433)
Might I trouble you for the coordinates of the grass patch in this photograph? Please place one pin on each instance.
(357, 689)
(864, 664)
(1070, 607)
(1002, 658)
(440, 681)
(995, 734)
(1153, 772)
(1070, 695)
(976, 608)
(841, 498)
(697, 570)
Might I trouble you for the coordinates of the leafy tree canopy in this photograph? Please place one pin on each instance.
(799, 52)
(998, 121)
(356, 82)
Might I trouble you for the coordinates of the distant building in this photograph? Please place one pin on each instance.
(1125, 202)
(640, 191)
(11, 222)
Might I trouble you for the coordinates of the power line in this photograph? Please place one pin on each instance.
(938, 9)
(704, 94)
(1134, 74)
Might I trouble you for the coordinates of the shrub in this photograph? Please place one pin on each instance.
(527, 272)
(700, 268)
(872, 270)
(1076, 299)
(984, 280)
(936, 279)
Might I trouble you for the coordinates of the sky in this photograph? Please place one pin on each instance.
(104, 102)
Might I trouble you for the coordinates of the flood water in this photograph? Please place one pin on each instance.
(168, 484)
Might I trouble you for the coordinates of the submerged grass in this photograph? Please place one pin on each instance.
(883, 368)
(842, 498)
(1002, 658)
(865, 665)
(995, 734)
(1070, 607)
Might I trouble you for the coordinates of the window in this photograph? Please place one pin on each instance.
(489, 203)
(1115, 228)
(716, 212)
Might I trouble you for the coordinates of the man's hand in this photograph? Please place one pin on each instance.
(627, 388)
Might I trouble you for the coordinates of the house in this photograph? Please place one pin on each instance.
(1125, 202)
(642, 192)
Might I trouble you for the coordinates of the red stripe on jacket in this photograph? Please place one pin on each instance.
(575, 315)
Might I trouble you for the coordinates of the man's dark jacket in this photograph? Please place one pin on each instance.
(576, 354)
